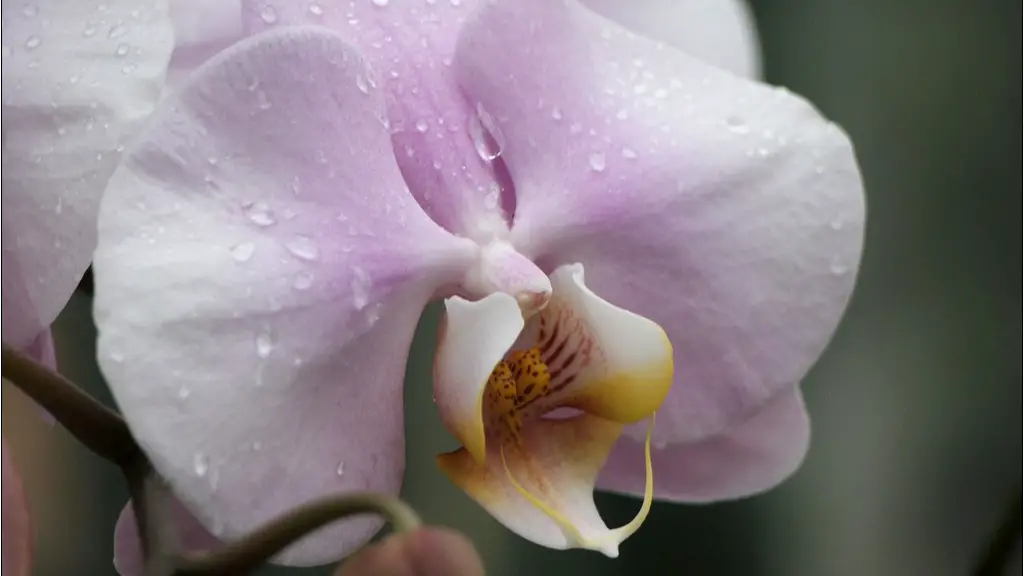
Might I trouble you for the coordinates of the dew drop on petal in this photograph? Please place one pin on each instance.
(422, 126)
(556, 113)
(737, 125)
(302, 281)
(360, 285)
(122, 50)
(303, 247)
(361, 83)
(264, 343)
(380, 3)
(836, 224)
(184, 393)
(268, 14)
(260, 215)
(837, 267)
(200, 464)
(340, 469)
(243, 251)
(117, 30)
(33, 42)
(315, 9)
(597, 161)
(486, 135)
(628, 153)
(257, 446)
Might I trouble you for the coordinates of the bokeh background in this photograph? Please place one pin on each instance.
(914, 406)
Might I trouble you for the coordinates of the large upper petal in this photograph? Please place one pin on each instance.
(260, 271)
(439, 137)
(749, 458)
(17, 528)
(720, 32)
(727, 211)
(78, 79)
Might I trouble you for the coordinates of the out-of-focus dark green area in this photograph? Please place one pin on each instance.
(914, 405)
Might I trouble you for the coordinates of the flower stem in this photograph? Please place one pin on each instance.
(252, 551)
(97, 427)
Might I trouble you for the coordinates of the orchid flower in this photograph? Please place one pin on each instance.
(616, 228)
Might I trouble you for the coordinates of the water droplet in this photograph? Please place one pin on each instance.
(201, 464)
(660, 444)
(303, 247)
(622, 114)
(737, 125)
(837, 267)
(422, 126)
(361, 84)
(380, 3)
(315, 9)
(361, 285)
(122, 49)
(456, 2)
(836, 224)
(268, 14)
(629, 153)
(264, 343)
(30, 10)
(486, 135)
(340, 469)
(243, 252)
(117, 356)
(819, 170)
(184, 393)
(556, 113)
(33, 42)
(117, 30)
(597, 161)
(257, 446)
(260, 215)
(262, 102)
(89, 30)
(127, 69)
(303, 281)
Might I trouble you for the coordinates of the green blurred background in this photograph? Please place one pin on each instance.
(914, 453)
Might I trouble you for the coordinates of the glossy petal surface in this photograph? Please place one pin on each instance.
(728, 212)
(440, 138)
(260, 272)
(78, 80)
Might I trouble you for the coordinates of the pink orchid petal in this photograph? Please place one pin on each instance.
(749, 458)
(720, 32)
(201, 29)
(17, 524)
(128, 559)
(728, 212)
(260, 271)
(41, 349)
(409, 44)
(78, 78)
